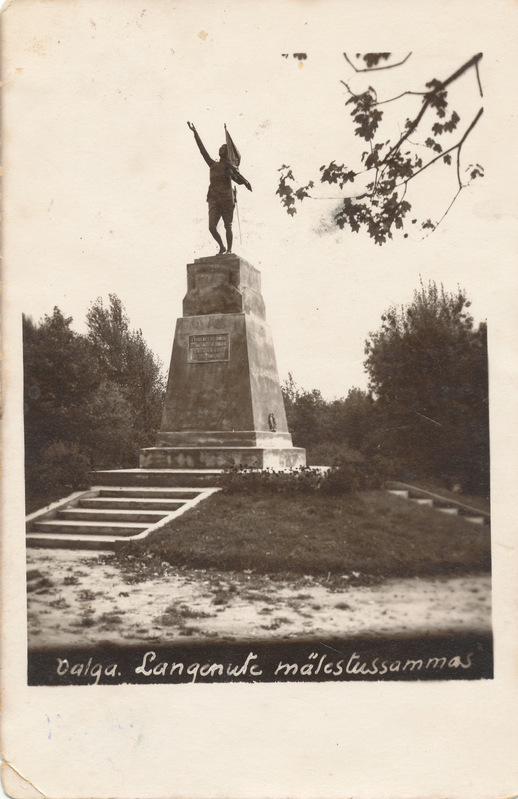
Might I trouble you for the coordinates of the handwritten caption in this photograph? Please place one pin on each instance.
(315, 666)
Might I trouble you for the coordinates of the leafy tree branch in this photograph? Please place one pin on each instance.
(381, 206)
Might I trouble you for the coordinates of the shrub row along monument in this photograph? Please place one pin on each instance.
(223, 404)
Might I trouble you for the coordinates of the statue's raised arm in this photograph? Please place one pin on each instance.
(221, 197)
(208, 160)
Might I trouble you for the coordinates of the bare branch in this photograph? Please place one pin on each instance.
(458, 167)
(478, 79)
(376, 69)
(391, 99)
(445, 213)
(348, 89)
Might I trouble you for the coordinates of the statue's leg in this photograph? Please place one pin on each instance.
(228, 232)
(227, 215)
(214, 217)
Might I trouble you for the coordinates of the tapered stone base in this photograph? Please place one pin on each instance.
(221, 457)
(223, 405)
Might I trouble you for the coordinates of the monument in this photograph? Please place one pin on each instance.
(223, 405)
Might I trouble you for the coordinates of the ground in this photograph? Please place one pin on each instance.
(80, 599)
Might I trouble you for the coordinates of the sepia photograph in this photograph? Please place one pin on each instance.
(255, 325)
(341, 505)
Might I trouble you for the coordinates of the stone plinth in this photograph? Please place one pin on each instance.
(222, 457)
(223, 403)
(223, 284)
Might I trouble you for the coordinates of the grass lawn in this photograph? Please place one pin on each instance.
(371, 533)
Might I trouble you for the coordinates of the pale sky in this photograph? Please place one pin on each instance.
(105, 188)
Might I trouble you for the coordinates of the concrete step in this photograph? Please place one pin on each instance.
(444, 505)
(475, 519)
(100, 528)
(98, 543)
(146, 492)
(448, 505)
(111, 514)
(158, 477)
(106, 517)
(133, 503)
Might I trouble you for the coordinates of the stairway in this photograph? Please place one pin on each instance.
(450, 507)
(109, 515)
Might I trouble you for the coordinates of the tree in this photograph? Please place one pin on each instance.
(353, 417)
(91, 401)
(60, 372)
(386, 167)
(330, 431)
(428, 372)
(127, 362)
(305, 412)
(60, 376)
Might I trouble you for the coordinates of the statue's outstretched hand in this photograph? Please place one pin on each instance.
(248, 186)
(191, 126)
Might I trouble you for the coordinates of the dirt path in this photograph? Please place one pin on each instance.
(83, 599)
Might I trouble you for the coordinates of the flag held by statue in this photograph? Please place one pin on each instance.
(234, 156)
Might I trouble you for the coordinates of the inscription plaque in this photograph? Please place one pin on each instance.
(208, 348)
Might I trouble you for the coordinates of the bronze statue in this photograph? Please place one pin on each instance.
(221, 196)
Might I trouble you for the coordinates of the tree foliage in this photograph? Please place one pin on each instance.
(428, 371)
(330, 431)
(385, 168)
(91, 401)
(306, 413)
(60, 374)
(127, 364)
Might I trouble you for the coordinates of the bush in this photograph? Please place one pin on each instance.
(243, 481)
(351, 474)
(63, 468)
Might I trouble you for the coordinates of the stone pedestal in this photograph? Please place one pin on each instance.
(223, 404)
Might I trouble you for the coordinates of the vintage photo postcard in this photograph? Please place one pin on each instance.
(259, 391)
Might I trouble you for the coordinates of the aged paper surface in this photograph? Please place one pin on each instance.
(103, 191)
